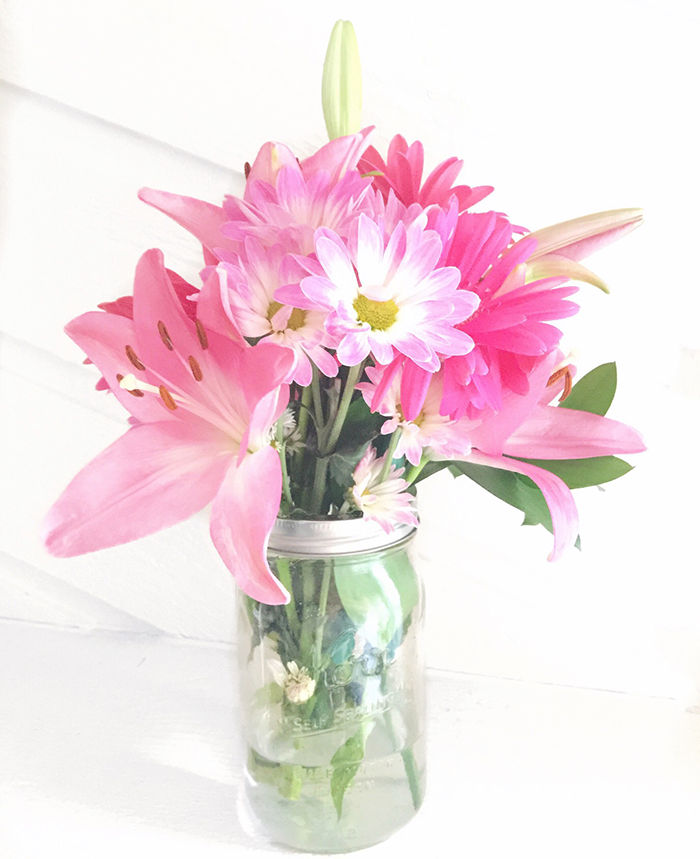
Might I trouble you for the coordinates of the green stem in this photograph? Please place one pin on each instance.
(285, 576)
(322, 605)
(354, 374)
(409, 764)
(318, 404)
(319, 487)
(308, 616)
(304, 408)
(416, 470)
(281, 448)
(396, 435)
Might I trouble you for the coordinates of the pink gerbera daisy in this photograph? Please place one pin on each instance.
(512, 327)
(403, 170)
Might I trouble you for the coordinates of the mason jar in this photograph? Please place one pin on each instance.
(332, 687)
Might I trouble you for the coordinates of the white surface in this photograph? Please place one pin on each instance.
(133, 752)
(567, 109)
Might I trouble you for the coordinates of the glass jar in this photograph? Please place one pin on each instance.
(333, 687)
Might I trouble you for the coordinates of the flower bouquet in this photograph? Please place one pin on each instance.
(358, 328)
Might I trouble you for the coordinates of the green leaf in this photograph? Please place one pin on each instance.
(371, 599)
(342, 463)
(577, 473)
(346, 762)
(341, 88)
(594, 392)
(402, 573)
(342, 647)
(515, 489)
(432, 468)
(360, 425)
(270, 693)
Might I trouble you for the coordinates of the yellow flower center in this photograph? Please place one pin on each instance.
(296, 320)
(418, 420)
(379, 315)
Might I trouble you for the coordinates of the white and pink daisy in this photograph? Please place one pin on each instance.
(247, 298)
(296, 206)
(386, 294)
(429, 430)
(382, 500)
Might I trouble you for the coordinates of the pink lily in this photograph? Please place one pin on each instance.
(203, 407)
(204, 220)
(529, 428)
(561, 246)
(335, 158)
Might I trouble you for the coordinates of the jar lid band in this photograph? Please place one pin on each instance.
(333, 536)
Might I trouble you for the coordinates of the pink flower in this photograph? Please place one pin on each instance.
(247, 288)
(561, 246)
(203, 407)
(403, 170)
(529, 428)
(526, 426)
(512, 327)
(429, 431)
(334, 158)
(383, 501)
(385, 295)
(297, 201)
(292, 209)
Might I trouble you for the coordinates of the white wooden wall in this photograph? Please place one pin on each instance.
(565, 108)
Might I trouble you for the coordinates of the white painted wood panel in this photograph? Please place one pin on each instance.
(71, 226)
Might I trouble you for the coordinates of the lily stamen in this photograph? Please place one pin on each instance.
(201, 334)
(164, 336)
(133, 358)
(167, 398)
(196, 369)
(564, 372)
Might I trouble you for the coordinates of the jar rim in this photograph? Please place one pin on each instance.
(312, 537)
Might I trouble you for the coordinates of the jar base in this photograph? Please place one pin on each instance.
(295, 805)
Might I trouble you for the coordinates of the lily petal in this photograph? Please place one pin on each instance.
(557, 494)
(242, 518)
(104, 338)
(202, 219)
(153, 476)
(580, 237)
(268, 162)
(493, 433)
(556, 265)
(553, 433)
(338, 156)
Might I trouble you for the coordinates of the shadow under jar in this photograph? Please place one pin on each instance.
(332, 687)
